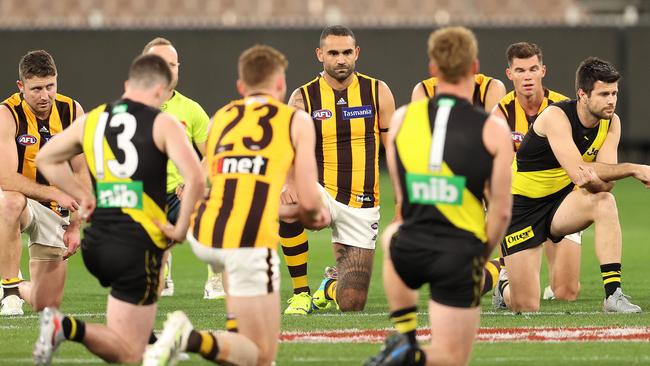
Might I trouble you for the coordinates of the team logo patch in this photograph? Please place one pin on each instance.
(363, 111)
(517, 137)
(321, 114)
(27, 140)
(519, 237)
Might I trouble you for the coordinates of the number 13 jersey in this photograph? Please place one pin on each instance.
(249, 153)
(127, 169)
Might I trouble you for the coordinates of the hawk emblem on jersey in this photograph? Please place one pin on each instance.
(363, 111)
(27, 140)
(321, 114)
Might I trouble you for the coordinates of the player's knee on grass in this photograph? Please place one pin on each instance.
(524, 305)
(567, 292)
(349, 299)
(242, 350)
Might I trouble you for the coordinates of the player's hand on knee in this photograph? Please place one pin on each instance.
(72, 240)
(322, 220)
(288, 195)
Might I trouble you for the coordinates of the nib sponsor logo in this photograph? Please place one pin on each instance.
(434, 190)
(242, 165)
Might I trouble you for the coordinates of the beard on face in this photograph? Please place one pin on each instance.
(340, 76)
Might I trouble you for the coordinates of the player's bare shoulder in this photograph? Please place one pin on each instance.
(296, 100)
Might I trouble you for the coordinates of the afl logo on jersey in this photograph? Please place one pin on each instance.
(321, 114)
(517, 137)
(26, 140)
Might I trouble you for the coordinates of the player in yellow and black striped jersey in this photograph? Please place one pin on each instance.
(443, 155)
(520, 108)
(349, 112)
(572, 143)
(252, 145)
(126, 144)
(487, 91)
(28, 119)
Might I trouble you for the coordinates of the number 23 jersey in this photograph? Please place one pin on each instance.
(128, 171)
(249, 153)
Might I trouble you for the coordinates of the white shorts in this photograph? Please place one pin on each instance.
(250, 271)
(44, 226)
(575, 237)
(356, 227)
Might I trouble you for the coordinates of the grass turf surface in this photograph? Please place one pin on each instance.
(85, 298)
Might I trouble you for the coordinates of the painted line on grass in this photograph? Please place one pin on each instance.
(36, 316)
(487, 335)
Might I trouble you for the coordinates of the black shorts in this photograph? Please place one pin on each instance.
(530, 225)
(123, 257)
(173, 207)
(452, 266)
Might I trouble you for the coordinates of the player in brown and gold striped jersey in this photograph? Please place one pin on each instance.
(349, 111)
(28, 119)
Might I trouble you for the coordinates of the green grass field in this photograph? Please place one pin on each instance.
(85, 298)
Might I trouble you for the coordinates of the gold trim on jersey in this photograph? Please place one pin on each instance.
(413, 143)
(542, 183)
(150, 210)
(32, 133)
(516, 116)
(481, 84)
(347, 138)
(249, 153)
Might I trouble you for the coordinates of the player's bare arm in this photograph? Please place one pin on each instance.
(495, 92)
(497, 140)
(11, 180)
(296, 101)
(170, 138)
(567, 154)
(312, 212)
(391, 160)
(386, 109)
(418, 92)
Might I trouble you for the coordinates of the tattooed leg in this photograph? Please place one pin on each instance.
(354, 266)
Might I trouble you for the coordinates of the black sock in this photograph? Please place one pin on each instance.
(73, 329)
(611, 274)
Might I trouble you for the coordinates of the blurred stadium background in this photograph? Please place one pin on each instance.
(93, 42)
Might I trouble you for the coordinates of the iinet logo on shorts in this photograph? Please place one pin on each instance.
(242, 165)
(428, 189)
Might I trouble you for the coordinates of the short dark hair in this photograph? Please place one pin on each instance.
(258, 63)
(149, 70)
(37, 63)
(158, 41)
(523, 50)
(593, 69)
(336, 30)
